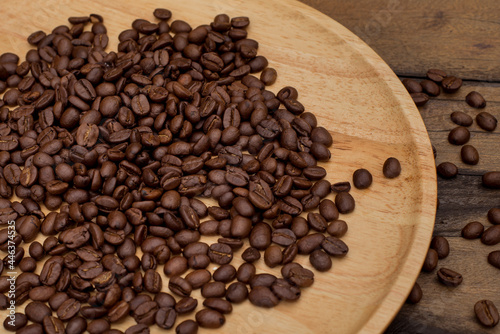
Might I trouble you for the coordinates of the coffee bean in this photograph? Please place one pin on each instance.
(459, 136)
(436, 75)
(447, 170)
(491, 180)
(486, 313)
(362, 179)
(491, 236)
(449, 277)
(415, 294)
(208, 318)
(320, 260)
(494, 216)
(36, 311)
(475, 100)
(430, 87)
(494, 259)
(337, 228)
(20, 320)
(419, 99)
(486, 121)
(187, 327)
(391, 168)
(451, 84)
(344, 202)
(461, 118)
(469, 155)
(472, 230)
(441, 246)
(165, 318)
(263, 297)
(412, 86)
(431, 260)
(341, 187)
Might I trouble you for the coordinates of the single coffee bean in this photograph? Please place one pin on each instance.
(412, 86)
(430, 87)
(218, 304)
(19, 321)
(36, 311)
(449, 277)
(187, 327)
(461, 118)
(262, 296)
(344, 202)
(459, 136)
(341, 187)
(415, 294)
(441, 246)
(475, 100)
(486, 121)
(320, 260)
(486, 313)
(472, 230)
(208, 318)
(494, 216)
(165, 318)
(431, 260)
(451, 84)
(491, 236)
(494, 259)
(447, 170)
(391, 168)
(419, 99)
(469, 155)
(436, 75)
(337, 228)
(491, 180)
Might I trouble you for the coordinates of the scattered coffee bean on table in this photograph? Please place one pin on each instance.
(441, 246)
(469, 155)
(475, 100)
(447, 170)
(449, 277)
(491, 180)
(473, 230)
(461, 118)
(486, 313)
(459, 136)
(362, 178)
(391, 168)
(415, 294)
(486, 121)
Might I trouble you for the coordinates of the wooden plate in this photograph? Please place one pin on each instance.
(371, 117)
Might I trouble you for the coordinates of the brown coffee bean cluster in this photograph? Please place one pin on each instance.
(486, 312)
(125, 143)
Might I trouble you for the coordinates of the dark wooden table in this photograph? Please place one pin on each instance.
(462, 37)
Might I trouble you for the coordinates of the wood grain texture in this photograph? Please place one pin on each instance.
(460, 36)
(360, 100)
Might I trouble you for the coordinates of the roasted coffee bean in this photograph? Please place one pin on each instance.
(447, 170)
(320, 260)
(412, 86)
(494, 216)
(165, 318)
(273, 256)
(469, 155)
(491, 236)
(415, 294)
(459, 136)
(334, 246)
(187, 327)
(441, 246)
(451, 84)
(475, 100)
(430, 87)
(449, 277)
(19, 321)
(472, 230)
(391, 168)
(419, 99)
(208, 318)
(461, 118)
(341, 187)
(236, 292)
(180, 286)
(436, 75)
(486, 121)
(494, 259)
(431, 260)
(344, 202)
(263, 297)
(491, 180)
(337, 228)
(486, 313)
(36, 311)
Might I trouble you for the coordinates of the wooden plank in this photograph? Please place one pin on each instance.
(459, 36)
(451, 310)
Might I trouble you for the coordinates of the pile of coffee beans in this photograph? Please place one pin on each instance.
(486, 312)
(120, 147)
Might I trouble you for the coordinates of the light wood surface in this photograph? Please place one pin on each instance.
(355, 96)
